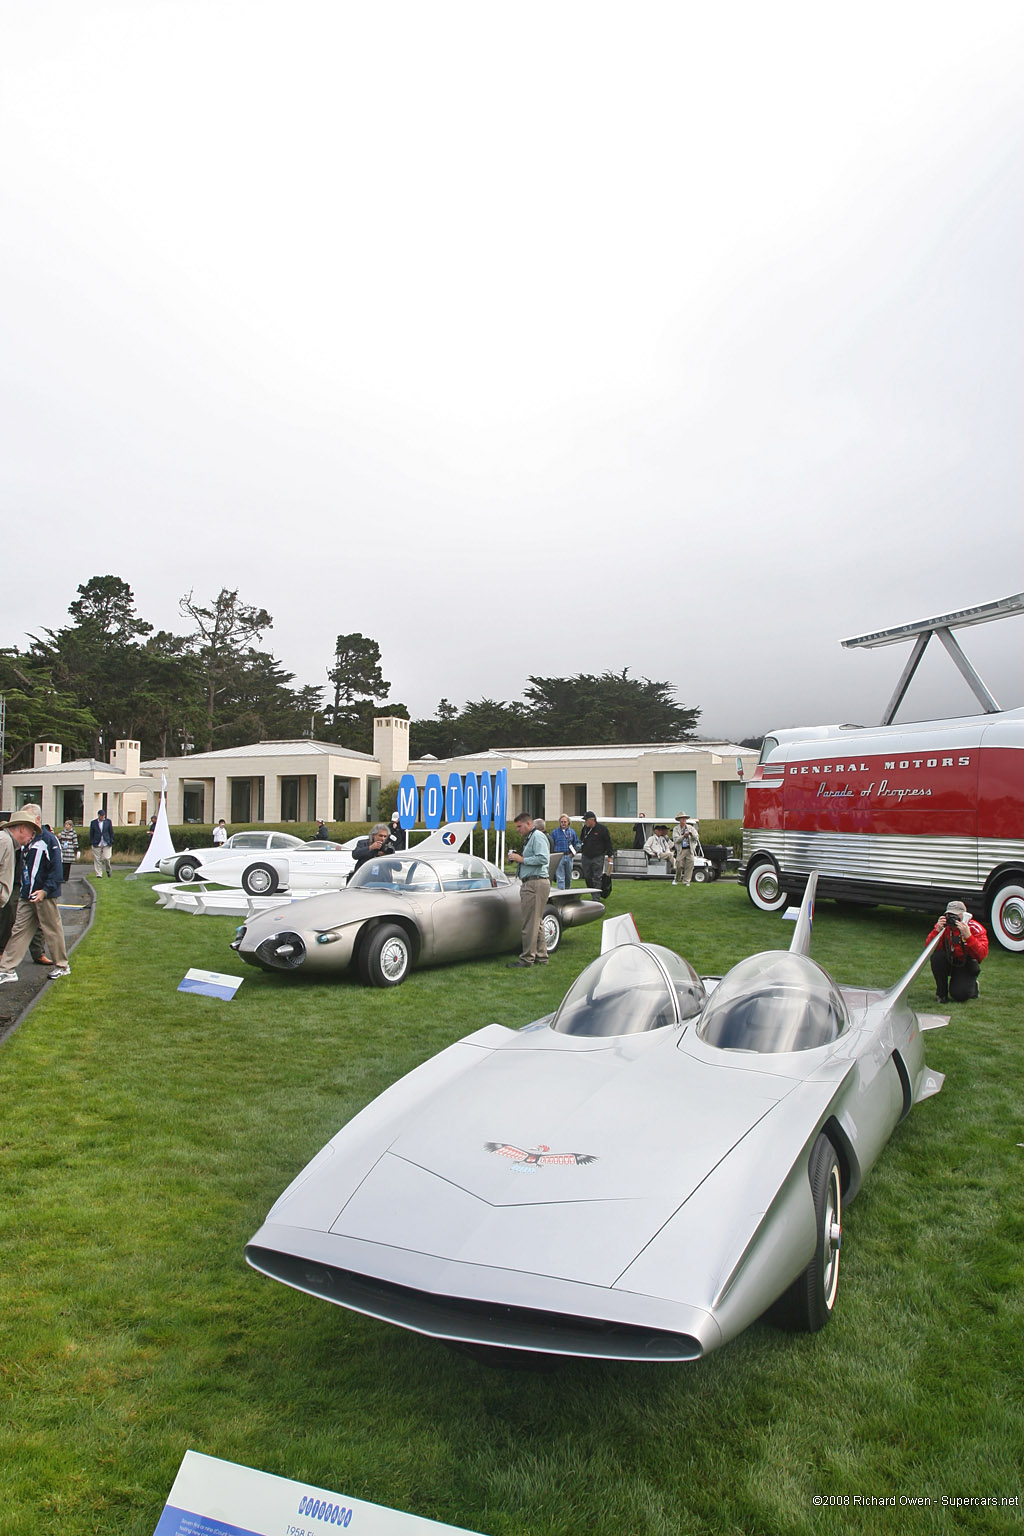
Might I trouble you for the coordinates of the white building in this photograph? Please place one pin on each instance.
(276, 781)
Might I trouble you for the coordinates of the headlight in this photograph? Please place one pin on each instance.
(328, 938)
(240, 932)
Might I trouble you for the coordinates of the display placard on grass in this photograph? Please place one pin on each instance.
(210, 984)
(211, 1497)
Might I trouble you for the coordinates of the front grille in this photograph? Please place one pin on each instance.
(269, 952)
(477, 1322)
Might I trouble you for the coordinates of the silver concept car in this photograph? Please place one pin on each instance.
(402, 910)
(637, 1177)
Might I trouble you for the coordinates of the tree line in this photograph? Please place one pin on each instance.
(108, 675)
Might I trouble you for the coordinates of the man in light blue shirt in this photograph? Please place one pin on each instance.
(535, 888)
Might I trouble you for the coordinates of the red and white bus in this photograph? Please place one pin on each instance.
(908, 815)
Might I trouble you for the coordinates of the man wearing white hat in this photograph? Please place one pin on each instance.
(42, 870)
(956, 960)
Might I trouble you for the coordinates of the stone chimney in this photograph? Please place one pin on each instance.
(46, 754)
(391, 746)
(126, 756)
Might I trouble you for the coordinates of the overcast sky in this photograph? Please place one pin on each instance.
(525, 338)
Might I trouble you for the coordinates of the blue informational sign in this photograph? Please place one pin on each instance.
(500, 798)
(453, 798)
(433, 802)
(220, 1498)
(486, 801)
(470, 798)
(408, 797)
(210, 984)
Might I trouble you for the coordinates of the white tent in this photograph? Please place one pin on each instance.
(160, 845)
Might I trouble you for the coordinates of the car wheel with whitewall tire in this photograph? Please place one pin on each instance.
(186, 869)
(1007, 915)
(551, 923)
(385, 956)
(810, 1300)
(259, 880)
(764, 887)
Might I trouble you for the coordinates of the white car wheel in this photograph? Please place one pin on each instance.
(186, 868)
(551, 924)
(1008, 916)
(765, 888)
(810, 1300)
(386, 956)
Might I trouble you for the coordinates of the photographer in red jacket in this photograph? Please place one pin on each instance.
(957, 959)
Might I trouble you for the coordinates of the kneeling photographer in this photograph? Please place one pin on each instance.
(957, 959)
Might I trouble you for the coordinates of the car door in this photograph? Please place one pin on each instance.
(477, 915)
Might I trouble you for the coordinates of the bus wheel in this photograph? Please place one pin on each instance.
(765, 888)
(1008, 915)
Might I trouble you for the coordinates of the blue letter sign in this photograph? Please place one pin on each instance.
(500, 798)
(433, 801)
(470, 798)
(453, 799)
(485, 800)
(407, 798)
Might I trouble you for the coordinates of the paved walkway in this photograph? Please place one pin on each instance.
(76, 910)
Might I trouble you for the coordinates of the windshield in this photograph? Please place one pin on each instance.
(626, 992)
(774, 1002)
(463, 872)
(393, 874)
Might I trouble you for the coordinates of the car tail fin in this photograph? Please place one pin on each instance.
(801, 941)
(619, 930)
(451, 836)
(893, 996)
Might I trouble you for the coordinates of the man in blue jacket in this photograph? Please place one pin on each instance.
(42, 869)
(565, 842)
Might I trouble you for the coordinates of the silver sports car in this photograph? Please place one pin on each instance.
(638, 1176)
(401, 910)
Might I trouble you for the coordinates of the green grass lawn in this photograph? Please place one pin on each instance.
(144, 1133)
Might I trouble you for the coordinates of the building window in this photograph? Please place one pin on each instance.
(531, 797)
(70, 805)
(675, 794)
(623, 798)
(289, 799)
(298, 798)
(28, 795)
(342, 796)
(192, 806)
(730, 800)
(573, 799)
(246, 799)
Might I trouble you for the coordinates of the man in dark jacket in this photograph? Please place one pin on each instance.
(370, 847)
(10, 877)
(101, 840)
(42, 869)
(595, 849)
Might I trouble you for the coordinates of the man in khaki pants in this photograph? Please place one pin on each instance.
(42, 870)
(534, 873)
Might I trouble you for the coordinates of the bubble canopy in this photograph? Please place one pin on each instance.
(629, 990)
(774, 1002)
